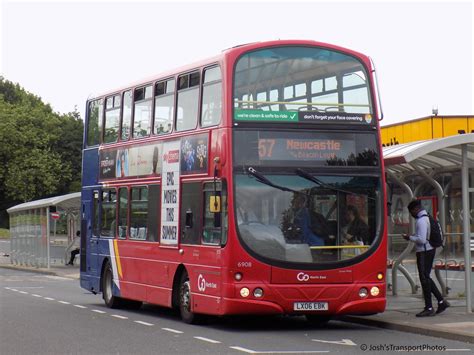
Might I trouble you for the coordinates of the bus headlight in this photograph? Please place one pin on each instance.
(244, 292)
(258, 292)
(374, 291)
(363, 292)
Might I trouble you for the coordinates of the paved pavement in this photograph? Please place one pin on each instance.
(453, 324)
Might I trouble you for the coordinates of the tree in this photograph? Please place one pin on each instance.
(40, 151)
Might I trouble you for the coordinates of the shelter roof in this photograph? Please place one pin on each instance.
(442, 154)
(67, 202)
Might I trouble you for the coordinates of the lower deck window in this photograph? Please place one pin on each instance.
(138, 213)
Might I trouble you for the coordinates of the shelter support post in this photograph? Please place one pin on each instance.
(408, 249)
(440, 194)
(48, 227)
(466, 190)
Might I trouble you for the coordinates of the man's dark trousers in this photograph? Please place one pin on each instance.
(424, 261)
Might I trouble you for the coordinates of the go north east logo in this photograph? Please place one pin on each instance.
(202, 284)
(302, 277)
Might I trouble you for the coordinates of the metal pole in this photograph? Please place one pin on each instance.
(439, 193)
(466, 226)
(409, 248)
(47, 237)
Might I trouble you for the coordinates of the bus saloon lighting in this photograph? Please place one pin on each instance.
(375, 291)
(238, 276)
(380, 276)
(244, 292)
(363, 292)
(258, 292)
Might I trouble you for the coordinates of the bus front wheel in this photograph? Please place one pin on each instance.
(185, 301)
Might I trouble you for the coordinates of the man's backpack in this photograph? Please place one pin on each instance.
(435, 238)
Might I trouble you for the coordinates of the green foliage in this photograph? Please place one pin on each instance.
(4, 233)
(40, 150)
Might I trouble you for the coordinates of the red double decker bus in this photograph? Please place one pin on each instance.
(248, 183)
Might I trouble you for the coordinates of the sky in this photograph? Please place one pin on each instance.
(66, 51)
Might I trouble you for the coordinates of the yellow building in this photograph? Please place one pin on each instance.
(426, 128)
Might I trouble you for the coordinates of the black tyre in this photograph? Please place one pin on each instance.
(185, 302)
(110, 300)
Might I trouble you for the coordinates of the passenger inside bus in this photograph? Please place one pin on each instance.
(302, 221)
(357, 229)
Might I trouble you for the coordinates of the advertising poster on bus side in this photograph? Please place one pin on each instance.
(194, 154)
(170, 193)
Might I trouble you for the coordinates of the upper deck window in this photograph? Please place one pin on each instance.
(142, 111)
(94, 118)
(211, 97)
(127, 114)
(112, 118)
(300, 79)
(164, 106)
(188, 101)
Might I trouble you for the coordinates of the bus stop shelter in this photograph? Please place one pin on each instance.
(441, 173)
(41, 230)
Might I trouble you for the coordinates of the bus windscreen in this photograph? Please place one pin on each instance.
(301, 84)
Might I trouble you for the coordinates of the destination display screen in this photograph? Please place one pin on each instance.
(303, 149)
(291, 148)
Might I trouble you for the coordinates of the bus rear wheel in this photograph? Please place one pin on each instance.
(185, 302)
(110, 300)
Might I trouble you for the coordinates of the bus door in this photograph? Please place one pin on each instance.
(93, 232)
(84, 232)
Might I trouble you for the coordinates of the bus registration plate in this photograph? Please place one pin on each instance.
(310, 306)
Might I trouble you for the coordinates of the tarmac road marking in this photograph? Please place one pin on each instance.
(55, 277)
(208, 340)
(35, 295)
(118, 316)
(49, 299)
(98, 311)
(249, 351)
(144, 323)
(23, 292)
(173, 330)
(79, 306)
(64, 302)
(340, 342)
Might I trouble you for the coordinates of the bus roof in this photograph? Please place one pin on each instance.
(231, 52)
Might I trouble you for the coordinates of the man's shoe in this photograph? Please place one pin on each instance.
(426, 313)
(442, 306)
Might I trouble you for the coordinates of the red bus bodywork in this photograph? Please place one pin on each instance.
(151, 272)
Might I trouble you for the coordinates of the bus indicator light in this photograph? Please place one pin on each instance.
(380, 276)
(363, 292)
(258, 292)
(238, 276)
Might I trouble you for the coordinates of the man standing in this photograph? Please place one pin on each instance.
(424, 259)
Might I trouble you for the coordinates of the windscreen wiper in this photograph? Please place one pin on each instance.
(262, 179)
(308, 176)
